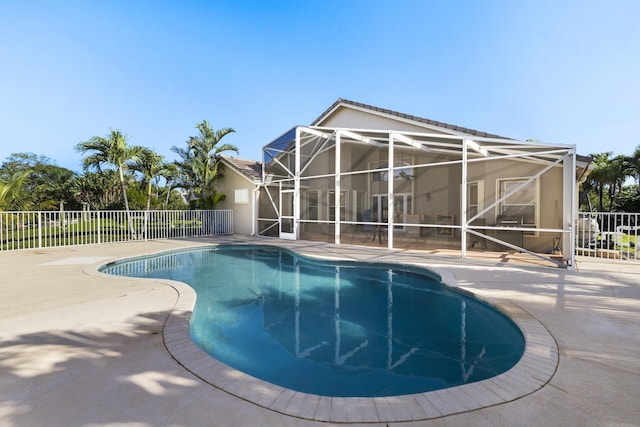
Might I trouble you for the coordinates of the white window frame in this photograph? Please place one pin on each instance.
(241, 196)
(536, 209)
(331, 207)
(479, 205)
(308, 206)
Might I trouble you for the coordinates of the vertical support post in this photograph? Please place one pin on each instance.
(255, 199)
(280, 208)
(390, 196)
(336, 197)
(463, 202)
(296, 188)
(574, 210)
(569, 205)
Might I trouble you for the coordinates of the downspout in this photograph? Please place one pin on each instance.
(254, 208)
(463, 202)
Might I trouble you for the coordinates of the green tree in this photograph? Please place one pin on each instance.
(11, 188)
(171, 174)
(606, 181)
(111, 150)
(99, 190)
(45, 185)
(199, 164)
(600, 176)
(151, 166)
(634, 164)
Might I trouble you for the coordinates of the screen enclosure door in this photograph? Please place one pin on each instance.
(287, 219)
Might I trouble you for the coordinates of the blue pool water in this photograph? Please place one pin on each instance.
(335, 328)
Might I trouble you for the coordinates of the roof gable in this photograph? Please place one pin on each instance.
(408, 118)
(248, 169)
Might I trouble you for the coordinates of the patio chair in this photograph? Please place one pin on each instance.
(371, 231)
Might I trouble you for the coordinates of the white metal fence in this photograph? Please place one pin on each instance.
(608, 235)
(40, 229)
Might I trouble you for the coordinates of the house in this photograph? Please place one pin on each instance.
(364, 175)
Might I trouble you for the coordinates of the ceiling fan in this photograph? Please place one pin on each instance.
(403, 174)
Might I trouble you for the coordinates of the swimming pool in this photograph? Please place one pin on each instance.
(335, 328)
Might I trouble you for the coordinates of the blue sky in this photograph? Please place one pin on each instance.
(558, 71)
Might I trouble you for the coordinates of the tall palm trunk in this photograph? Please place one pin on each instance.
(149, 188)
(132, 229)
(146, 213)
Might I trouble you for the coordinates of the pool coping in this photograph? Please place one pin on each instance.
(533, 371)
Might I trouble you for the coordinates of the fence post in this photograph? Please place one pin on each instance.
(39, 229)
(146, 224)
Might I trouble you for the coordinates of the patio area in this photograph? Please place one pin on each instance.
(80, 349)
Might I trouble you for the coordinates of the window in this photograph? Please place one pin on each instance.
(332, 204)
(401, 172)
(311, 200)
(475, 198)
(521, 204)
(241, 196)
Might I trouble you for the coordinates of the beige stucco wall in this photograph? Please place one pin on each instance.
(242, 213)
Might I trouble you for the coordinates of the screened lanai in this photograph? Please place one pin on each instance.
(424, 191)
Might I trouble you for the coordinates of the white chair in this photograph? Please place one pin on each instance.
(622, 239)
(412, 232)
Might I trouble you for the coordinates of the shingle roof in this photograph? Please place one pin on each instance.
(406, 116)
(251, 169)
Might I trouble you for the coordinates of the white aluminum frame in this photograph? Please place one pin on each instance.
(548, 156)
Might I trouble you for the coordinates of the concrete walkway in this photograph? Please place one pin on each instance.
(78, 349)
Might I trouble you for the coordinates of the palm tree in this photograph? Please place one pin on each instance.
(619, 171)
(150, 165)
(97, 189)
(200, 163)
(634, 164)
(171, 174)
(608, 177)
(600, 176)
(11, 189)
(110, 150)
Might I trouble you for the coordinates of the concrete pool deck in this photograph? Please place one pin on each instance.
(77, 348)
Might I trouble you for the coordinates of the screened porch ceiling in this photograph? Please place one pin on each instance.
(279, 155)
